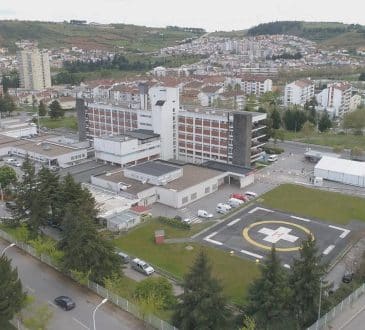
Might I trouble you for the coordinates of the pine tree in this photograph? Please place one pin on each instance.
(276, 119)
(12, 297)
(202, 304)
(55, 110)
(325, 122)
(269, 295)
(42, 110)
(305, 281)
(84, 250)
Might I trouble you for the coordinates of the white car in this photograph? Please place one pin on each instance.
(251, 194)
(11, 161)
(204, 214)
(272, 158)
(142, 266)
(187, 221)
(234, 202)
(223, 208)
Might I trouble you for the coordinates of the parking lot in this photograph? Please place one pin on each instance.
(252, 232)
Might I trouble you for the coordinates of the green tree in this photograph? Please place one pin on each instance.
(55, 110)
(12, 297)
(42, 110)
(325, 122)
(268, 297)
(158, 287)
(294, 119)
(305, 281)
(276, 119)
(84, 249)
(7, 104)
(355, 120)
(308, 129)
(248, 323)
(202, 304)
(7, 176)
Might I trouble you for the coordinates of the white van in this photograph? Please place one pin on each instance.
(223, 208)
(204, 214)
(234, 202)
(272, 158)
(142, 266)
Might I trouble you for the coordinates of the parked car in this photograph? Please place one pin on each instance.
(347, 278)
(272, 158)
(142, 266)
(240, 197)
(188, 221)
(10, 160)
(204, 214)
(250, 194)
(10, 205)
(17, 164)
(233, 202)
(65, 303)
(223, 208)
(123, 257)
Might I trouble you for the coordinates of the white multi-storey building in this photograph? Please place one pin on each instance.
(336, 99)
(299, 92)
(34, 69)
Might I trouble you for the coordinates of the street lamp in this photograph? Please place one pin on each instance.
(319, 304)
(8, 247)
(103, 302)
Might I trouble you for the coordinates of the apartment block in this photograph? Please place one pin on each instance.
(298, 92)
(34, 69)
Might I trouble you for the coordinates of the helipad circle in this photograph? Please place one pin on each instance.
(246, 235)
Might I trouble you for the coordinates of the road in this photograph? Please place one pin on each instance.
(45, 284)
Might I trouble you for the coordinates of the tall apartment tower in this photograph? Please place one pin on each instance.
(34, 69)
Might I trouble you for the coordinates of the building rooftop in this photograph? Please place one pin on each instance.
(192, 175)
(224, 167)
(140, 134)
(154, 168)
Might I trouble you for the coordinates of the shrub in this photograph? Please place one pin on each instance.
(174, 222)
(271, 150)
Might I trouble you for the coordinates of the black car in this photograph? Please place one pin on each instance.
(65, 303)
(347, 278)
(10, 205)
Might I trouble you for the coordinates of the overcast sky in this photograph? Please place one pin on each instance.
(209, 14)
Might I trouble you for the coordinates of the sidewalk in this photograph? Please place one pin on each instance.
(352, 317)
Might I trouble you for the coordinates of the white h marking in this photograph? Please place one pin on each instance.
(274, 236)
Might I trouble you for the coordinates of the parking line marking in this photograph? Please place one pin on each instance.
(208, 239)
(233, 222)
(329, 249)
(258, 256)
(79, 322)
(345, 231)
(261, 209)
(51, 303)
(299, 218)
(286, 266)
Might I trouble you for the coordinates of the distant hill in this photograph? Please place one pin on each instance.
(131, 37)
(328, 34)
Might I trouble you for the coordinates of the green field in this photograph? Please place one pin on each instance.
(327, 206)
(235, 273)
(66, 122)
(348, 141)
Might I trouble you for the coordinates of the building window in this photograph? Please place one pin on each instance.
(207, 190)
(193, 196)
(185, 199)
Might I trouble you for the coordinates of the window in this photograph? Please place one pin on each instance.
(185, 200)
(207, 190)
(193, 196)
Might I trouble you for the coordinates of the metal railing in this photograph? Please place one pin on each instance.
(326, 319)
(121, 302)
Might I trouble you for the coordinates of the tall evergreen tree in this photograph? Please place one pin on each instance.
(55, 110)
(12, 297)
(42, 110)
(202, 304)
(305, 281)
(268, 298)
(324, 123)
(276, 119)
(84, 250)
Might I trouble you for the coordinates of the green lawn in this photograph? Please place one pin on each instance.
(235, 273)
(327, 206)
(66, 122)
(329, 139)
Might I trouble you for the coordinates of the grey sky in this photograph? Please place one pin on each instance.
(209, 14)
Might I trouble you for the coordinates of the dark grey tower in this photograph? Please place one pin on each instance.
(81, 118)
(242, 131)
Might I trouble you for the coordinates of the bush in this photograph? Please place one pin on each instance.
(271, 150)
(174, 223)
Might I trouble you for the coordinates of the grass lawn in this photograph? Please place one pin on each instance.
(329, 139)
(67, 122)
(235, 273)
(327, 206)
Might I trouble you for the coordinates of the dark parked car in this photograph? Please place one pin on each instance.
(65, 303)
(10, 205)
(347, 278)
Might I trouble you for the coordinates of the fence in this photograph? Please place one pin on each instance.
(122, 303)
(344, 304)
